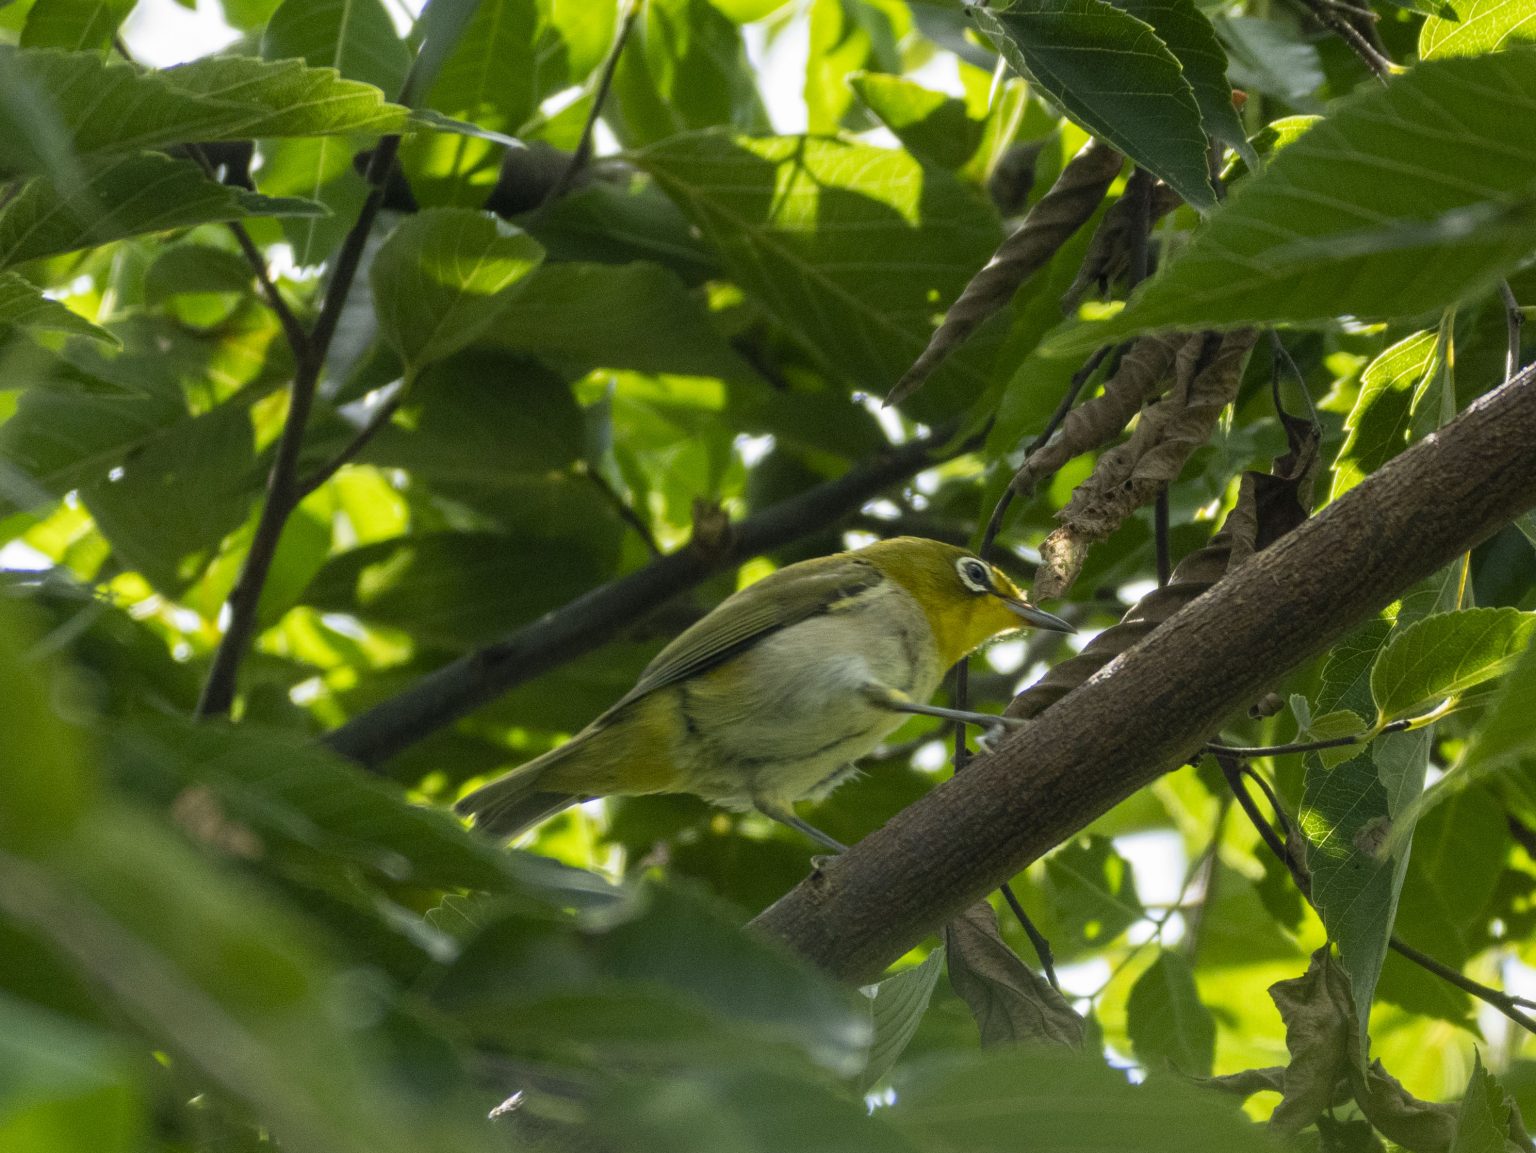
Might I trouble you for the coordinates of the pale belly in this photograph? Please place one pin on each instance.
(808, 719)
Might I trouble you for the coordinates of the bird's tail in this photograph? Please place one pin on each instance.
(513, 801)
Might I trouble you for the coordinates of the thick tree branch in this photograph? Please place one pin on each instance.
(1153, 706)
(443, 696)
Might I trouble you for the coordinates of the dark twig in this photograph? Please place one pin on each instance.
(1329, 15)
(583, 154)
(627, 512)
(1514, 321)
(380, 416)
(283, 487)
(1043, 952)
(1307, 746)
(293, 331)
(1505, 1003)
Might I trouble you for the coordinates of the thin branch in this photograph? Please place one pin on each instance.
(1503, 1002)
(283, 488)
(583, 154)
(1328, 15)
(293, 330)
(377, 419)
(627, 512)
(1397, 726)
(1042, 946)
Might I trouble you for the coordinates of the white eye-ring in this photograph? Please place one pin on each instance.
(974, 575)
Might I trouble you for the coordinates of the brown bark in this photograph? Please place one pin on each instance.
(1155, 705)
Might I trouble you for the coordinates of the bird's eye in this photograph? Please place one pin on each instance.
(974, 575)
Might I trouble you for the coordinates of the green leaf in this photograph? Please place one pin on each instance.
(45, 779)
(1506, 736)
(168, 507)
(934, 127)
(484, 419)
(670, 940)
(1459, 850)
(1483, 1121)
(684, 68)
(454, 589)
(1114, 76)
(1393, 391)
(67, 434)
(286, 790)
(196, 269)
(579, 316)
(25, 307)
(1473, 27)
(286, 98)
(1167, 1021)
(896, 1008)
(66, 1087)
(1182, 26)
(355, 37)
(489, 80)
(846, 37)
(1434, 215)
(854, 248)
(1272, 57)
(1092, 890)
(74, 25)
(125, 196)
(1444, 655)
(1057, 1100)
(439, 280)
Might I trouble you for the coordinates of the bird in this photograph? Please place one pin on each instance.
(771, 697)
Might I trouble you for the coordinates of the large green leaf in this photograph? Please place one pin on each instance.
(1444, 655)
(1381, 423)
(1115, 76)
(114, 107)
(685, 67)
(580, 316)
(439, 280)
(74, 25)
(67, 434)
(454, 589)
(24, 306)
(125, 196)
(1478, 26)
(896, 1008)
(288, 98)
(1182, 26)
(355, 37)
(1439, 165)
(171, 503)
(854, 248)
(1050, 1099)
(1166, 1020)
(1093, 890)
(289, 791)
(66, 1087)
(489, 80)
(934, 127)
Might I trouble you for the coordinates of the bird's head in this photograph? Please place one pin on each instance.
(967, 600)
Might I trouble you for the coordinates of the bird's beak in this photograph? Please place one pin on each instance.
(1039, 618)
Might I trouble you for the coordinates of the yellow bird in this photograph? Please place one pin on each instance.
(769, 698)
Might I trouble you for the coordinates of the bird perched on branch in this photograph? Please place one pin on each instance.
(770, 697)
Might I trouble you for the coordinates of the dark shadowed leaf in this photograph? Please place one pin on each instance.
(1167, 1021)
(1012, 1004)
(1116, 77)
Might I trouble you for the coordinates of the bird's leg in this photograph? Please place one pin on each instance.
(899, 702)
(786, 816)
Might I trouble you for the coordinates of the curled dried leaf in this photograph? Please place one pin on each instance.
(1054, 218)
(1011, 1003)
(1141, 376)
(1131, 474)
(1109, 256)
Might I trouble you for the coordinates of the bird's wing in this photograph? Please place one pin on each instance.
(781, 599)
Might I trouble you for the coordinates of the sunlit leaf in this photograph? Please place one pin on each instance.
(1472, 27)
(1444, 655)
(25, 307)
